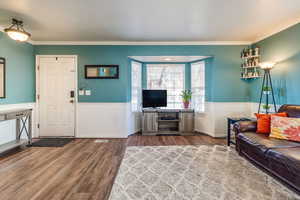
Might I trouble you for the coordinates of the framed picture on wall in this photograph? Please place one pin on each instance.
(2, 77)
(102, 71)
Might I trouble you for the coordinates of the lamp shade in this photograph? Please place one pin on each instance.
(17, 32)
(267, 65)
(17, 35)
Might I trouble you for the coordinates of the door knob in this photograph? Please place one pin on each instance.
(71, 101)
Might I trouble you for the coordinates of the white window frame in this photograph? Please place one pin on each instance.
(136, 86)
(177, 103)
(198, 99)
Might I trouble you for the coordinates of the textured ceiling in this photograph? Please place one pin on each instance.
(150, 20)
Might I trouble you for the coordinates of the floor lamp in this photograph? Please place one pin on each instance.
(267, 87)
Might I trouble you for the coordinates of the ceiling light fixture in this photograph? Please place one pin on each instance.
(17, 32)
(168, 59)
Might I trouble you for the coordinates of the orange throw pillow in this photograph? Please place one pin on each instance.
(264, 122)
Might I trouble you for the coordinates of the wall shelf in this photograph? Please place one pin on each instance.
(250, 63)
(250, 67)
(248, 57)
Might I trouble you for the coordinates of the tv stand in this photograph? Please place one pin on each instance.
(167, 121)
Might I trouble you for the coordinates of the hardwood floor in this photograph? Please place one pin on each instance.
(139, 140)
(81, 170)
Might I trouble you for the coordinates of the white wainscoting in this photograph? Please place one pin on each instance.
(104, 120)
(115, 120)
(254, 107)
(135, 119)
(213, 121)
(8, 128)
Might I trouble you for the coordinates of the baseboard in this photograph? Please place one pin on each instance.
(211, 135)
(204, 133)
(136, 133)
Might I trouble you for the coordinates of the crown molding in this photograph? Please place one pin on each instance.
(278, 30)
(140, 43)
(135, 42)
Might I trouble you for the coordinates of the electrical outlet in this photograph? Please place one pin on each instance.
(81, 92)
(88, 92)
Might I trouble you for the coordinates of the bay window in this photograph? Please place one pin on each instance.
(168, 77)
(198, 85)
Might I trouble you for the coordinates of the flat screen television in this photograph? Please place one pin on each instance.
(154, 98)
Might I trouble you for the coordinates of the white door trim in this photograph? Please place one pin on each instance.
(37, 89)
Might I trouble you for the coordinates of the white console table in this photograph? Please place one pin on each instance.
(22, 117)
(167, 121)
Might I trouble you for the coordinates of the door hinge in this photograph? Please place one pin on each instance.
(38, 125)
(38, 97)
(38, 67)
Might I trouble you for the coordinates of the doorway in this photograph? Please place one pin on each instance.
(56, 84)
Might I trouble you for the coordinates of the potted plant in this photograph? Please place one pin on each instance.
(266, 90)
(266, 107)
(186, 97)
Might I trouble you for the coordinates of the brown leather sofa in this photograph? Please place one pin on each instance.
(280, 158)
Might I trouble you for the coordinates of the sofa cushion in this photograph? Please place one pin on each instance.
(286, 163)
(249, 145)
(255, 146)
(265, 142)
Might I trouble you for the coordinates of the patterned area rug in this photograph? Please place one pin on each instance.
(193, 172)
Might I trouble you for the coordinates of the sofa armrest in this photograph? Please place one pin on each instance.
(245, 126)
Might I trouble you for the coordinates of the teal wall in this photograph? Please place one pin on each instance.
(222, 71)
(20, 72)
(144, 76)
(283, 48)
(187, 77)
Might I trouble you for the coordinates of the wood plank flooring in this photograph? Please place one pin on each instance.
(81, 170)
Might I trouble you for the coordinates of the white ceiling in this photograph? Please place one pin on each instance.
(168, 58)
(151, 20)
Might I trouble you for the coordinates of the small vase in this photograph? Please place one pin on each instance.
(186, 104)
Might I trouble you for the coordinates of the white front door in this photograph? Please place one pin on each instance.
(57, 87)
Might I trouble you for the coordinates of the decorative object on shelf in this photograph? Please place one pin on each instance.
(102, 71)
(2, 77)
(186, 97)
(17, 32)
(267, 88)
(250, 65)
